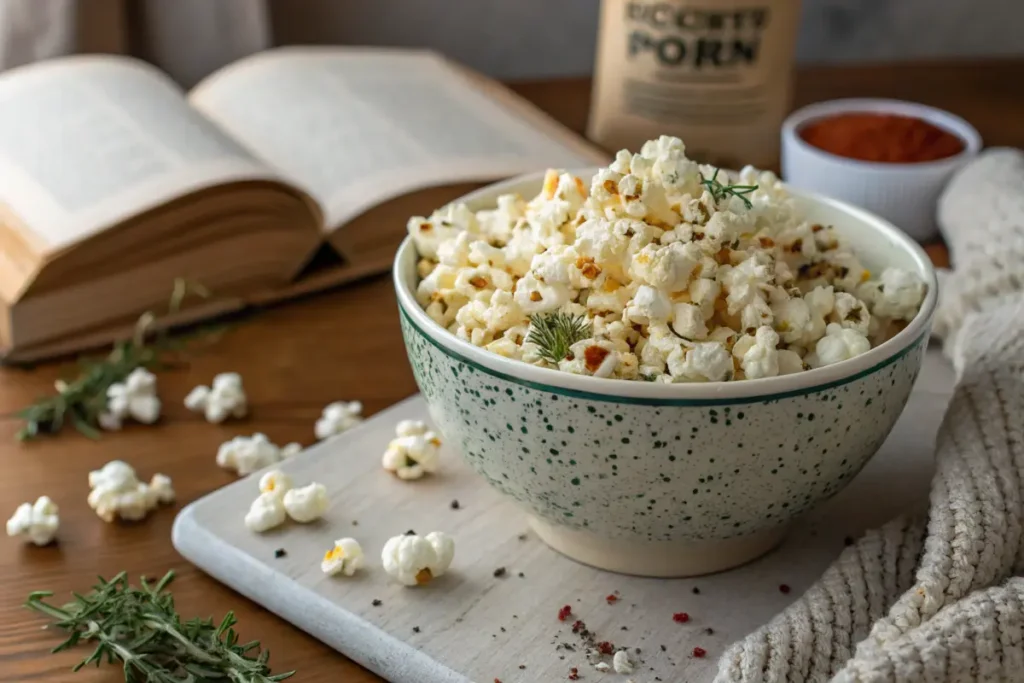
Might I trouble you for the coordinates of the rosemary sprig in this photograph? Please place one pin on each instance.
(80, 401)
(140, 628)
(554, 333)
(720, 191)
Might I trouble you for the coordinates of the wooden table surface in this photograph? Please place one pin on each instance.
(295, 359)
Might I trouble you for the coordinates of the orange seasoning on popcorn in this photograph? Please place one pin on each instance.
(883, 138)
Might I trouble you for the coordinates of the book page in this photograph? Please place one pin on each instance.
(355, 127)
(86, 142)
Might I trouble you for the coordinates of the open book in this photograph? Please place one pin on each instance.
(284, 173)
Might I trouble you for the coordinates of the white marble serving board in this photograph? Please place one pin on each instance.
(470, 626)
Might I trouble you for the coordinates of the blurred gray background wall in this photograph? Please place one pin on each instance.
(516, 39)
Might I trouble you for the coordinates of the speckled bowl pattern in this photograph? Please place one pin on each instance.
(666, 480)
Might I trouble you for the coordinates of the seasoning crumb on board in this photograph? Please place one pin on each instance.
(522, 537)
(280, 552)
(696, 591)
(377, 602)
(415, 629)
(455, 505)
(499, 572)
(522, 575)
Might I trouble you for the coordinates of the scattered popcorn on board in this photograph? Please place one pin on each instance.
(280, 499)
(414, 452)
(622, 663)
(416, 560)
(665, 270)
(346, 557)
(307, 503)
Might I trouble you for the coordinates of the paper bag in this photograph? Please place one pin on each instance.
(716, 73)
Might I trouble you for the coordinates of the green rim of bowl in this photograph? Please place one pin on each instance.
(632, 400)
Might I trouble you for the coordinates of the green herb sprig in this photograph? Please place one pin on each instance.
(140, 628)
(554, 333)
(80, 401)
(720, 191)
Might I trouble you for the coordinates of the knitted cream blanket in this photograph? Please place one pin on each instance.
(939, 599)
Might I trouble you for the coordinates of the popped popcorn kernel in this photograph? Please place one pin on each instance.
(416, 560)
(414, 452)
(265, 513)
(338, 417)
(38, 522)
(117, 492)
(248, 454)
(307, 503)
(225, 398)
(133, 398)
(346, 557)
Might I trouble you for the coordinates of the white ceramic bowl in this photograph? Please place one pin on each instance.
(667, 479)
(904, 194)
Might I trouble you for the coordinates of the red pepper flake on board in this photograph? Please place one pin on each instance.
(605, 648)
(578, 626)
(699, 652)
(784, 589)
(612, 598)
(680, 617)
(564, 613)
(574, 674)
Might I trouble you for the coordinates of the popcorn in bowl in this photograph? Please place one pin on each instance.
(664, 270)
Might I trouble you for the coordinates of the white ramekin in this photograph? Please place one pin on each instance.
(903, 194)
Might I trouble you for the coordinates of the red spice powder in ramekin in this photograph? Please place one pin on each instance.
(883, 138)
